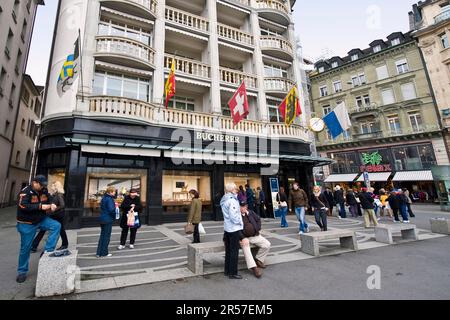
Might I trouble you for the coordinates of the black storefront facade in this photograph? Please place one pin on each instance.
(87, 155)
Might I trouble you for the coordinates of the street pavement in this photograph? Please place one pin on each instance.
(409, 270)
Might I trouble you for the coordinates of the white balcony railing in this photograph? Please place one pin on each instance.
(147, 4)
(142, 111)
(188, 66)
(244, 2)
(234, 34)
(441, 17)
(233, 77)
(272, 4)
(271, 42)
(278, 84)
(187, 19)
(125, 47)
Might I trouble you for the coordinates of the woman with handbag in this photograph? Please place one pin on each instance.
(283, 206)
(195, 214)
(130, 220)
(320, 206)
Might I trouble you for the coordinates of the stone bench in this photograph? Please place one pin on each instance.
(310, 241)
(440, 225)
(384, 232)
(198, 251)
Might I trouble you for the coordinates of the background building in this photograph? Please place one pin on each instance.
(110, 128)
(396, 133)
(16, 25)
(26, 130)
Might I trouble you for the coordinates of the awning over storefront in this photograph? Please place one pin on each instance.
(341, 177)
(413, 176)
(121, 151)
(376, 177)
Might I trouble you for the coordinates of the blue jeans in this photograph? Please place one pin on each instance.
(341, 208)
(27, 234)
(284, 211)
(105, 237)
(404, 212)
(300, 213)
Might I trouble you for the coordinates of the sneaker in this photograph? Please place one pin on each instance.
(339, 217)
(62, 248)
(405, 221)
(121, 247)
(301, 232)
(396, 221)
(131, 246)
(21, 278)
(307, 230)
(378, 219)
(109, 255)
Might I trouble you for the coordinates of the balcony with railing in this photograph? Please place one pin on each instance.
(243, 2)
(275, 10)
(234, 35)
(235, 78)
(278, 47)
(141, 8)
(188, 67)
(187, 20)
(143, 112)
(442, 17)
(278, 85)
(122, 50)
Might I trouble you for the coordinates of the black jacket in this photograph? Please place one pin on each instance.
(30, 203)
(126, 206)
(252, 224)
(330, 197)
(366, 200)
(351, 198)
(315, 203)
(394, 201)
(339, 196)
(58, 200)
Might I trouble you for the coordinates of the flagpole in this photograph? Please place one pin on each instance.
(81, 65)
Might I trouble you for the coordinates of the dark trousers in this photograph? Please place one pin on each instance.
(232, 246)
(105, 237)
(124, 235)
(62, 233)
(196, 234)
(395, 211)
(260, 211)
(321, 219)
(359, 210)
(411, 214)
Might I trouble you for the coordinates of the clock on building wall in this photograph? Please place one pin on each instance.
(316, 124)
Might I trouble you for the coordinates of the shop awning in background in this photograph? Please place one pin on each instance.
(377, 177)
(341, 177)
(413, 176)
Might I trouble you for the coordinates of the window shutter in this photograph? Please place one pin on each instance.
(382, 72)
(408, 91)
(388, 96)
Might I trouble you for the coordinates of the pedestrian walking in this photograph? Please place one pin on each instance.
(385, 207)
(409, 203)
(195, 214)
(233, 226)
(340, 202)
(57, 198)
(403, 200)
(250, 197)
(330, 198)
(367, 204)
(352, 203)
(282, 200)
(261, 203)
(32, 208)
(130, 220)
(298, 201)
(320, 206)
(107, 216)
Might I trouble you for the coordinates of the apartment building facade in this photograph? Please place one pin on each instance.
(16, 25)
(112, 128)
(25, 135)
(396, 134)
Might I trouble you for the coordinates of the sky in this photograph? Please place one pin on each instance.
(327, 27)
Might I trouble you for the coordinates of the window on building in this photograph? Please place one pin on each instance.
(415, 157)
(28, 160)
(176, 185)
(376, 49)
(444, 40)
(19, 62)
(269, 32)
(395, 42)
(394, 124)
(337, 86)
(37, 108)
(368, 127)
(402, 66)
(363, 101)
(182, 103)
(2, 81)
(9, 42)
(415, 118)
(323, 91)
(241, 179)
(387, 96)
(355, 57)
(15, 12)
(117, 85)
(12, 95)
(408, 91)
(274, 111)
(335, 64)
(326, 110)
(122, 179)
(382, 72)
(358, 80)
(17, 157)
(26, 96)
(273, 71)
(110, 28)
(345, 163)
(22, 126)
(321, 69)
(24, 30)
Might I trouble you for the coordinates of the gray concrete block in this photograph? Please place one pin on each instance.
(440, 225)
(57, 275)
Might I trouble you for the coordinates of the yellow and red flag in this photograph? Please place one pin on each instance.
(290, 107)
(170, 87)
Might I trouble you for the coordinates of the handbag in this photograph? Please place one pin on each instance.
(201, 229)
(189, 228)
(130, 220)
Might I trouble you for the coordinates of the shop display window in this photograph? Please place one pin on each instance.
(56, 175)
(241, 179)
(176, 185)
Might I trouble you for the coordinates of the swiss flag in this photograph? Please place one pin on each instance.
(239, 104)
